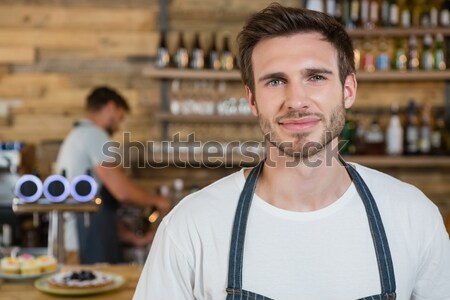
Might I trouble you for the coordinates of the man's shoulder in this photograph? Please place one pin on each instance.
(214, 201)
(395, 194)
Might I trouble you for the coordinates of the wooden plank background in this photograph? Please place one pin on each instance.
(53, 52)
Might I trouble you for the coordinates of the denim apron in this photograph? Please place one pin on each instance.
(235, 264)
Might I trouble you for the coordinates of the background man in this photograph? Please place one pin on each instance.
(82, 152)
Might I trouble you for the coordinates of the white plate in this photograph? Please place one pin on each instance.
(43, 286)
(18, 277)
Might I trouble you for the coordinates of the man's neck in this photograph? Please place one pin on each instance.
(307, 185)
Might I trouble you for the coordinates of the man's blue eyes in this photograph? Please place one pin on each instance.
(277, 82)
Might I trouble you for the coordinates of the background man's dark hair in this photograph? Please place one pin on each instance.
(277, 20)
(100, 96)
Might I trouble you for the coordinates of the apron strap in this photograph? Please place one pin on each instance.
(235, 261)
(382, 251)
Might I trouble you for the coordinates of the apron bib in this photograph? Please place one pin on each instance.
(383, 254)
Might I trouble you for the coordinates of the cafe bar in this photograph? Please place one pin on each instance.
(142, 141)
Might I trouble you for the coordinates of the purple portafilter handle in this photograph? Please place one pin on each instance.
(24, 179)
(65, 183)
(84, 198)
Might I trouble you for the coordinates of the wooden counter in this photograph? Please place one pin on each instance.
(25, 290)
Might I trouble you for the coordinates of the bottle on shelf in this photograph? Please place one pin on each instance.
(394, 133)
(330, 8)
(444, 14)
(360, 133)
(400, 61)
(181, 59)
(365, 14)
(197, 60)
(226, 57)
(373, 14)
(213, 58)
(405, 14)
(434, 13)
(347, 145)
(393, 13)
(439, 56)
(383, 63)
(384, 13)
(375, 144)
(354, 19)
(413, 54)
(368, 57)
(316, 5)
(357, 54)
(427, 59)
(162, 55)
(439, 135)
(411, 140)
(425, 130)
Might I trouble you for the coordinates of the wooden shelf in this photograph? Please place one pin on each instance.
(397, 32)
(403, 76)
(171, 73)
(206, 118)
(235, 159)
(401, 161)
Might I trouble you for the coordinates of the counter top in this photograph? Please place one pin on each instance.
(25, 290)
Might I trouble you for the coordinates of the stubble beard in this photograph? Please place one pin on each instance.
(301, 147)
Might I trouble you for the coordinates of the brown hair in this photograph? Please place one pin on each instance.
(277, 20)
(101, 96)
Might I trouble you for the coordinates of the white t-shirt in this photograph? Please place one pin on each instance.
(320, 255)
(80, 152)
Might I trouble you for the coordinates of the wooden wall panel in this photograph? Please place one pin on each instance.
(77, 18)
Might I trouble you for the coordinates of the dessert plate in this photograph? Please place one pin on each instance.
(42, 285)
(18, 277)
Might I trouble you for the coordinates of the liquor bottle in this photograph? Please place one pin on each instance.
(338, 14)
(434, 13)
(400, 60)
(181, 56)
(197, 60)
(383, 62)
(360, 133)
(357, 54)
(162, 55)
(213, 58)
(368, 58)
(393, 13)
(416, 13)
(439, 135)
(413, 54)
(347, 136)
(226, 58)
(444, 14)
(316, 5)
(405, 14)
(364, 14)
(330, 8)
(375, 139)
(346, 14)
(425, 130)
(394, 133)
(411, 140)
(427, 61)
(439, 57)
(354, 14)
(384, 13)
(373, 14)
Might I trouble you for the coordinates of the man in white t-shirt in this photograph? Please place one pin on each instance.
(83, 151)
(303, 224)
